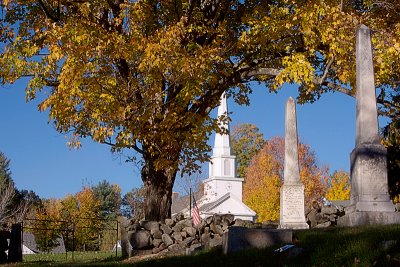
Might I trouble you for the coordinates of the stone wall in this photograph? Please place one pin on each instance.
(321, 216)
(177, 235)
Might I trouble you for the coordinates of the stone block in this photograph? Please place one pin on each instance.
(183, 233)
(157, 242)
(134, 226)
(176, 247)
(369, 218)
(142, 252)
(162, 247)
(206, 230)
(178, 227)
(166, 229)
(169, 222)
(189, 240)
(191, 231)
(177, 236)
(209, 220)
(329, 210)
(228, 219)
(217, 219)
(140, 239)
(150, 225)
(324, 225)
(167, 239)
(238, 238)
(178, 217)
(216, 229)
(156, 233)
(186, 222)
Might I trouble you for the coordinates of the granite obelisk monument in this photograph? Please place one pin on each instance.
(369, 198)
(292, 191)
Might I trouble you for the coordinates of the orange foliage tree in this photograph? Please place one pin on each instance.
(261, 192)
(46, 226)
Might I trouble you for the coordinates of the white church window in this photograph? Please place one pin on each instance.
(227, 167)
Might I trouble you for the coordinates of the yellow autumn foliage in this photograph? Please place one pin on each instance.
(339, 186)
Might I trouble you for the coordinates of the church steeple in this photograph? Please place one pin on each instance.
(222, 168)
(222, 145)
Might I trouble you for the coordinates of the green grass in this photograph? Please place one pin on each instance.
(77, 256)
(323, 247)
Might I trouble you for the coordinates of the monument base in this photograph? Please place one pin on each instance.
(359, 218)
(372, 206)
(292, 207)
(294, 226)
(369, 185)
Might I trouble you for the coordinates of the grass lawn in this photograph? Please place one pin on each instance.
(363, 246)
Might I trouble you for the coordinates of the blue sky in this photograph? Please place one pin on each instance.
(41, 161)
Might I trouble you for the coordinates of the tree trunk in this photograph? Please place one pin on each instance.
(158, 187)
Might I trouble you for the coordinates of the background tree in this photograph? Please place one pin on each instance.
(133, 203)
(262, 187)
(89, 221)
(246, 142)
(261, 192)
(109, 197)
(392, 143)
(84, 215)
(144, 75)
(14, 204)
(5, 173)
(7, 195)
(46, 227)
(339, 186)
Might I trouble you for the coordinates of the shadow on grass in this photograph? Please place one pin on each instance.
(362, 246)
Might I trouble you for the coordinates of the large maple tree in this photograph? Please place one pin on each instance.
(144, 75)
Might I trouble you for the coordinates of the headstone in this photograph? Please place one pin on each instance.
(15, 250)
(239, 238)
(369, 199)
(126, 247)
(4, 237)
(292, 191)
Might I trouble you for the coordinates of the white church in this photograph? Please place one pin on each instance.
(222, 189)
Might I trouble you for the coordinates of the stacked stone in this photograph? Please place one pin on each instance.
(325, 216)
(178, 234)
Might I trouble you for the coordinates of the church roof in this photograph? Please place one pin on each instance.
(239, 205)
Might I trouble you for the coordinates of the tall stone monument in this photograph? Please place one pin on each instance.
(292, 191)
(369, 199)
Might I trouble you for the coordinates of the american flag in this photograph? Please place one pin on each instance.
(196, 213)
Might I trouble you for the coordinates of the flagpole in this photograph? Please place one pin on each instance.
(190, 202)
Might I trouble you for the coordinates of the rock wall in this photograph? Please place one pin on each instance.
(179, 235)
(321, 216)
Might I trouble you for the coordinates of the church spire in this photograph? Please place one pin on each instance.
(222, 146)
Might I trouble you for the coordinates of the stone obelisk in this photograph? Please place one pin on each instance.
(369, 198)
(292, 191)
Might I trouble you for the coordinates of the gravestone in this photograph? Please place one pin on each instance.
(369, 198)
(15, 250)
(239, 238)
(292, 191)
(126, 247)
